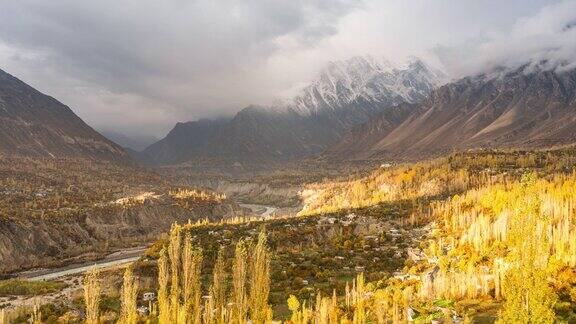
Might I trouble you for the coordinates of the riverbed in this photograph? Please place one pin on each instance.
(118, 258)
(113, 259)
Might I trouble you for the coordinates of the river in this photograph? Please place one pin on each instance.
(113, 259)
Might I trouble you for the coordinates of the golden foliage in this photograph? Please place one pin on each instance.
(260, 312)
(128, 296)
(92, 296)
(239, 296)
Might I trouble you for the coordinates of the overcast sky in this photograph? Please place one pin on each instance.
(139, 66)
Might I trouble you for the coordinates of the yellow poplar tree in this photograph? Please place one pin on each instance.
(359, 307)
(528, 297)
(174, 252)
(260, 311)
(191, 284)
(92, 296)
(218, 290)
(163, 297)
(239, 296)
(128, 298)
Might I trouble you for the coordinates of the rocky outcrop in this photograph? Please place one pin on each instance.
(253, 192)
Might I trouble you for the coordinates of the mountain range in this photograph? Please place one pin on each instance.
(524, 108)
(345, 94)
(360, 109)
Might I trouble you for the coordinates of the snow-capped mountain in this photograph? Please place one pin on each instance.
(345, 94)
(529, 107)
(367, 78)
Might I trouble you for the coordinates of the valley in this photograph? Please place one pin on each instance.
(64, 211)
(379, 193)
(389, 227)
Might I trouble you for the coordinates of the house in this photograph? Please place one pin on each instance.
(346, 223)
(395, 233)
(416, 255)
(149, 296)
(143, 310)
(329, 220)
(411, 314)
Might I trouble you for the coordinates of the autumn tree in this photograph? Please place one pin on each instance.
(92, 296)
(128, 296)
(239, 295)
(529, 298)
(163, 295)
(260, 311)
(218, 289)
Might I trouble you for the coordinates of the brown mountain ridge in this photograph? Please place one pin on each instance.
(519, 109)
(34, 124)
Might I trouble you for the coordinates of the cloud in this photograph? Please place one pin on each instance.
(139, 66)
(194, 58)
(547, 39)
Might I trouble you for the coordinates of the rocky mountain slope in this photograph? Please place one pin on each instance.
(54, 210)
(345, 94)
(66, 192)
(34, 124)
(95, 232)
(525, 108)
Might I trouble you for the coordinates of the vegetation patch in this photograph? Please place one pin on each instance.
(15, 287)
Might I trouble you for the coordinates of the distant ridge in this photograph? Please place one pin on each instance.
(34, 124)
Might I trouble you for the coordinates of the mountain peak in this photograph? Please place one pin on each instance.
(365, 77)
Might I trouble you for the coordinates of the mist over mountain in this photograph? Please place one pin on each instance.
(132, 142)
(345, 94)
